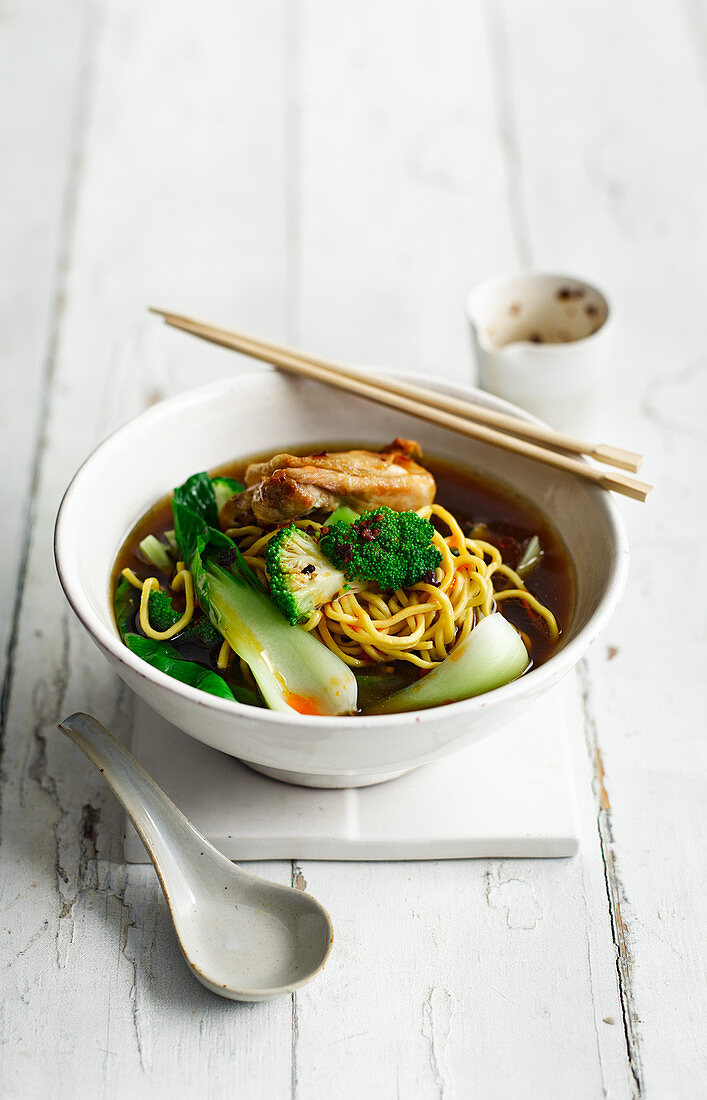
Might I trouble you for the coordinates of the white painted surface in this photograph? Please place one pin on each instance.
(510, 795)
(243, 936)
(341, 178)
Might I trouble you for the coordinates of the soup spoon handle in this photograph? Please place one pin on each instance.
(162, 827)
(243, 937)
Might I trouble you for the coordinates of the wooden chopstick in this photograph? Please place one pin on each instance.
(602, 452)
(421, 403)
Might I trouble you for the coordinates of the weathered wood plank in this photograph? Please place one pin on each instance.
(611, 205)
(480, 978)
(181, 192)
(40, 45)
(401, 203)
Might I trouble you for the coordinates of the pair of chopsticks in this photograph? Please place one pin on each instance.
(465, 417)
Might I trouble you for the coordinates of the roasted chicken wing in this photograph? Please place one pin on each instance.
(287, 486)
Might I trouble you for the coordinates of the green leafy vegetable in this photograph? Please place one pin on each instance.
(491, 656)
(343, 514)
(224, 488)
(301, 577)
(197, 495)
(193, 533)
(293, 670)
(156, 553)
(164, 615)
(166, 658)
(531, 556)
(124, 606)
(170, 539)
(393, 548)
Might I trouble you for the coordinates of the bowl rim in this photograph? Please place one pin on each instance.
(108, 640)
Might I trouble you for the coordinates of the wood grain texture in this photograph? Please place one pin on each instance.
(42, 140)
(92, 951)
(338, 179)
(638, 224)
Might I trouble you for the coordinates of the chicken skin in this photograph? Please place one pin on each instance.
(287, 486)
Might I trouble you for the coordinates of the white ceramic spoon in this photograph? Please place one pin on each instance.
(243, 937)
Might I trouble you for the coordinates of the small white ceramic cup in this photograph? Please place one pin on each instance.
(540, 341)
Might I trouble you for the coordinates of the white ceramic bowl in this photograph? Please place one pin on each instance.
(262, 411)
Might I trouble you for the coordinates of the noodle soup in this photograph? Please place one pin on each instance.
(495, 550)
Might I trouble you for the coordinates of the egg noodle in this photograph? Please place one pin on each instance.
(421, 624)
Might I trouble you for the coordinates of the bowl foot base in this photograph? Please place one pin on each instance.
(313, 779)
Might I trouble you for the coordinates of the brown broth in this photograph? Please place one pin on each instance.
(473, 499)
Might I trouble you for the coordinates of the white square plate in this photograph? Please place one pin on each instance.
(510, 795)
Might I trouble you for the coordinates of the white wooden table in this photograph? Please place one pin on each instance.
(339, 176)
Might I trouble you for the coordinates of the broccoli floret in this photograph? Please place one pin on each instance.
(301, 577)
(163, 615)
(392, 548)
(201, 630)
